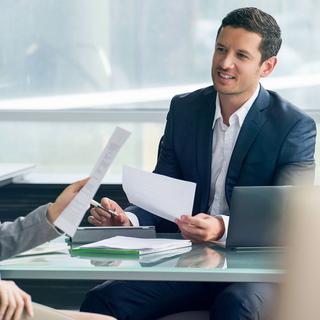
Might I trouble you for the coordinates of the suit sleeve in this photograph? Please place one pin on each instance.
(25, 233)
(296, 165)
(167, 165)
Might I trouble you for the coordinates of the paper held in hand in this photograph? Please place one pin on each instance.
(72, 215)
(163, 196)
(130, 245)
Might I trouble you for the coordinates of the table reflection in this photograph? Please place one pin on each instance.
(197, 256)
(202, 257)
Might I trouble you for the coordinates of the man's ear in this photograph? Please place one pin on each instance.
(268, 66)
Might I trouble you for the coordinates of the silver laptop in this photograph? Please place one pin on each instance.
(258, 217)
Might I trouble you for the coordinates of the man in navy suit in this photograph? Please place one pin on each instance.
(234, 133)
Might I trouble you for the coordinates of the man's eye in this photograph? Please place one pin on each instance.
(242, 56)
(220, 49)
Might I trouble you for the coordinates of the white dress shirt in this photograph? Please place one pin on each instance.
(223, 142)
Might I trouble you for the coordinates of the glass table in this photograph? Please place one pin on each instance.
(199, 263)
(9, 171)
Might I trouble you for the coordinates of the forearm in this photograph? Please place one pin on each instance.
(25, 233)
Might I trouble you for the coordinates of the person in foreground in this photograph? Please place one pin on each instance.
(234, 133)
(23, 234)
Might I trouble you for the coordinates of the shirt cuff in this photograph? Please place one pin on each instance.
(226, 226)
(133, 219)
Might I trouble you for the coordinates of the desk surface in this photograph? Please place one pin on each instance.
(202, 263)
(8, 171)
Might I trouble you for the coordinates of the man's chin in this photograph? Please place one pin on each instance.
(225, 91)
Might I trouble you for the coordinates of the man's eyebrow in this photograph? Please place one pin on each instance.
(245, 52)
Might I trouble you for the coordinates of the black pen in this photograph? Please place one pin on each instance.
(98, 205)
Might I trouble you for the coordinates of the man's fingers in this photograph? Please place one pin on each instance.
(195, 221)
(110, 204)
(195, 233)
(120, 220)
(96, 215)
(191, 231)
(204, 216)
(100, 214)
(94, 221)
(107, 203)
(97, 220)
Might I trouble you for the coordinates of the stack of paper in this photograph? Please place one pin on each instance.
(47, 247)
(129, 245)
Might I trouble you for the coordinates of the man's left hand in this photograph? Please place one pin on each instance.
(201, 227)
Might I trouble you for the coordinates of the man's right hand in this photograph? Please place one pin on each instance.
(13, 301)
(101, 218)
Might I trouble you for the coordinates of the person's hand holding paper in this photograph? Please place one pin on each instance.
(56, 208)
(166, 197)
(201, 227)
(100, 217)
(163, 196)
(70, 218)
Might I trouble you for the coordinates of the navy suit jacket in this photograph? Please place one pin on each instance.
(275, 146)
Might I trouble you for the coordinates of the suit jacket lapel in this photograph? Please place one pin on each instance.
(204, 145)
(251, 126)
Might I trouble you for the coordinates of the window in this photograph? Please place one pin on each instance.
(72, 70)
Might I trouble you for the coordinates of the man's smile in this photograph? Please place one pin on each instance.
(225, 75)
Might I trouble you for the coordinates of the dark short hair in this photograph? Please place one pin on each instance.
(255, 20)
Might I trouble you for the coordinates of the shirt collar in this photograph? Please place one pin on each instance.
(241, 113)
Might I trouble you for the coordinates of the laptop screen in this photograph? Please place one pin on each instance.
(257, 216)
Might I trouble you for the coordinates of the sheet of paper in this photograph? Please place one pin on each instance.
(47, 247)
(132, 243)
(161, 195)
(132, 246)
(72, 215)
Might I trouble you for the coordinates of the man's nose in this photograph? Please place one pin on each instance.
(227, 62)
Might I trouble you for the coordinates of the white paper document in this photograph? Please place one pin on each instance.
(121, 244)
(72, 215)
(163, 196)
(47, 247)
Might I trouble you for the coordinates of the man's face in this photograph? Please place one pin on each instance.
(236, 63)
